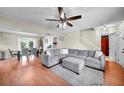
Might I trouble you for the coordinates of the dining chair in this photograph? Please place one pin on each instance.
(13, 53)
(25, 52)
(33, 52)
(24, 56)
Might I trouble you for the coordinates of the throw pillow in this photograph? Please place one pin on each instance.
(48, 53)
(98, 54)
(64, 51)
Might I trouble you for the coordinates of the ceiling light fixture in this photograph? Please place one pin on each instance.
(64, 24)
(60, 25)
(105, 27)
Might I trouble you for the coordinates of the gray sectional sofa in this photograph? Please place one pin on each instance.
(56, 55)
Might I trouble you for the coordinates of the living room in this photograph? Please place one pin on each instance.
(98, 39)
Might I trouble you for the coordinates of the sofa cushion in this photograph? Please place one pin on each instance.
(92, 60)
(56, 51)
(90, 64)
(61, 56)
(81, 57)
(73, 51)
(91, 53)
(83, 53)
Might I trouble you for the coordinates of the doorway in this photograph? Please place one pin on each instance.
(105, 45)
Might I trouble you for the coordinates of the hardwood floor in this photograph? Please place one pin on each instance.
(34, 73)
(114, 74)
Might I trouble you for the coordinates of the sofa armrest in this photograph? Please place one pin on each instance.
(46, 59)
(103, 61)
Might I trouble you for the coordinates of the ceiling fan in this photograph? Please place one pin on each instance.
(63, 20)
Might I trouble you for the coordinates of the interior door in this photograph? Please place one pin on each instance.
(105, 45)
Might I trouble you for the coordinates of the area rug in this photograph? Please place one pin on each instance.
(88, 76)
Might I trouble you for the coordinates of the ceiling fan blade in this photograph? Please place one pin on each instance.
(61, 12)
(52, 20)
(69, 24)
(74, 18)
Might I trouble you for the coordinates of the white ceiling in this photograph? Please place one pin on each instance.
(33, 19)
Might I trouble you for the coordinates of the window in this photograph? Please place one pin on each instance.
(26, 43)
(31, 44)
(23, 44)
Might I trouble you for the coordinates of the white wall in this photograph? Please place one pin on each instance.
(10, 41)
(60, 42)
(50, 42)
(120, 44)
(13, 25)
(85, 39)
(90, 40)
(71, 40)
